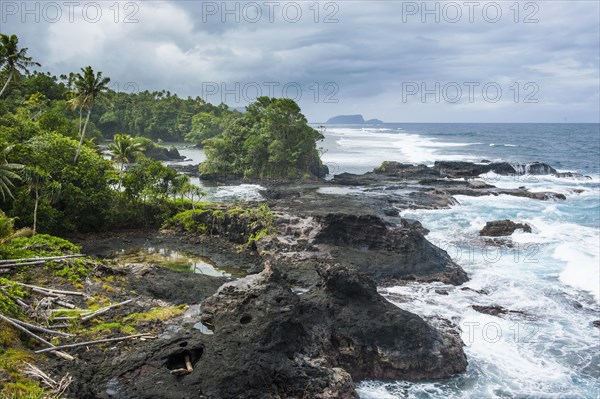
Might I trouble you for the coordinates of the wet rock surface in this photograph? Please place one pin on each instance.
(499, 228)
(164, 154)
(494, 310)
(310, 324)
(271, 342)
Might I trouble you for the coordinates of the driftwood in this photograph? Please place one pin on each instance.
(44, 259)
(104, 310)
(100, 341)
(188, 367)
(63, 355)
(50, 291)
(26, 307)
(33, 327)
(63, 303)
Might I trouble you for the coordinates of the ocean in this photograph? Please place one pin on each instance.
(552, 275)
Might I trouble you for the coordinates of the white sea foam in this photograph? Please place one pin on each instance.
(552, 275)
(367, 147)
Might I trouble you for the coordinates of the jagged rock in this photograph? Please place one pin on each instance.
(505, 227)
(405, 171)
(270, 342)
(596, 323)
(481, 292)
(456, 169)
(494, 310)
(386, 254)
(469, 169)
(414, 224)
(163, 154)
(535, 168)
(572, 175)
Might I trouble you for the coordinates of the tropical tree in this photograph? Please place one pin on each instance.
(124, 149)
(192, 191)
(40, 184)
(36, 103)
(7, 173)
(89, 88)
(13, 60)
(179, 185)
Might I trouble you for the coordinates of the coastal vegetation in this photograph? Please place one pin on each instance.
(55, 177)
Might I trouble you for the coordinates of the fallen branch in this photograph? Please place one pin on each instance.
(63, 303)
(50, 290)
(104, 310)
(188, 367)
(63, 355)
(45, 259)
(10, 265)
(26, 331)
(33, 327)
(101, 341)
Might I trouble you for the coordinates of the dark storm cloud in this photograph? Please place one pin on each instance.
(368, 51)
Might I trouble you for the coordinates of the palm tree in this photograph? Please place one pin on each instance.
(13, 59)
(7, 173)
(124, 149)
(42, 186)
(89, 88)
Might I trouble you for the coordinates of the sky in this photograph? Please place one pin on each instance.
(398, 61)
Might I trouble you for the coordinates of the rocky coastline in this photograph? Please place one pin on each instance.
(306, 320)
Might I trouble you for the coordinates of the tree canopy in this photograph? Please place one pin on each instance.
(271, 141)
(46, 120)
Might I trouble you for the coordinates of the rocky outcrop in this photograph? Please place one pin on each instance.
(406, 171)
(457, 169)
(268, 341)
(495, 310)
(163, 154)
(470, 169)
(499, 228)
(386, 253)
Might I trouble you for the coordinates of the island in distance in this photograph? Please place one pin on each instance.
(352, 120)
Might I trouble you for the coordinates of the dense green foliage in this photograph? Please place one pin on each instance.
(271, 141)
(54, 178)
(239, 224)
(38, 245)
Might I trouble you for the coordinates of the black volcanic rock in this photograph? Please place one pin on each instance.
(163, 154)
(386, 253)
(499, 228)
(456, 169)
(271, 342)
(494, 310)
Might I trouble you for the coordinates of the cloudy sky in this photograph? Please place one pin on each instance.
(399, 61)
